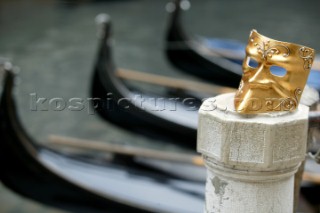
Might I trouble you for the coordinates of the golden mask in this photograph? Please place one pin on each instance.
(263, 88)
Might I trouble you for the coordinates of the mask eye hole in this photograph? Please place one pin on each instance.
(278, 71)
(252, 63)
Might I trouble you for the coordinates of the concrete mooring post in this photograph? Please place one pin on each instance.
(250, 159)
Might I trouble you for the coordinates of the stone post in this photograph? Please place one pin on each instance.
(250, 159)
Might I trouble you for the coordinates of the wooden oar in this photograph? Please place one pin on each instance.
(311, 177)
(124, 150)
(171, 82)
(196, 160)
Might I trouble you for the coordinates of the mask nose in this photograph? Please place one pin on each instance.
(261, 76)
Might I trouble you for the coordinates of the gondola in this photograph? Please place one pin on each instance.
(213, 59)
(151, 114)
(78, 185)
(186, 54)
(180, 125)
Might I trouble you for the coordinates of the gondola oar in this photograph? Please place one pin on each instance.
(165, 81)
(173, 157)
(99, 146)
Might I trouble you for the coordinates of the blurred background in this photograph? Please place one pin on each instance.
(54, 43)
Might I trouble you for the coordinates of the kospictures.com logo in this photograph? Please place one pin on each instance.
(110, 102)
(139, 102)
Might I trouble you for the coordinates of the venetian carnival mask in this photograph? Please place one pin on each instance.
(274, 75)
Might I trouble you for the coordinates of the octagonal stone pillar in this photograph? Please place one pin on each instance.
(250, 159)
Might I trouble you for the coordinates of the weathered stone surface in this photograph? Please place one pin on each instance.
(224, 195)
(251, 159)
(263, 141)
